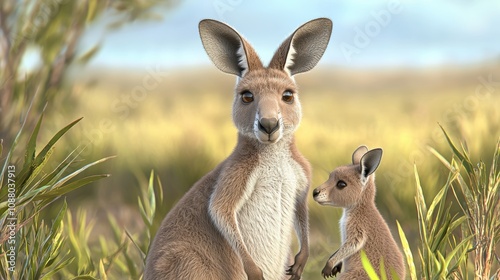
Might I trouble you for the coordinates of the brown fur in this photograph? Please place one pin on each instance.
(236, 221)
(176, 249)
(362, 226)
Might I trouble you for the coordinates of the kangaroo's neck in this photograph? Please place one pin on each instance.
(367, 201)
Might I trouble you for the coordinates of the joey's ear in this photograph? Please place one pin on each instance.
(369, 162)
(358, 154)
(227, 49)
(303, 49)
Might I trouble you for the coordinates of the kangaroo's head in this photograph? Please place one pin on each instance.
(266, 104)
(348, 185)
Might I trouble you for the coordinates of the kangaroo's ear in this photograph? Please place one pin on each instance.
(358, 154)
(303, 49)
(369, 163)
(227, 49)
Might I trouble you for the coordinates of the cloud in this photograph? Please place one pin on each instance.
(424, 33)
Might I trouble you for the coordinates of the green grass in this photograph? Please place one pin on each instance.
(446, 252)
(38, 245)
(28, 186)
(462, 245)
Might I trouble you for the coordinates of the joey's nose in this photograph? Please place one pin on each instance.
(316, 192)
(268, 125)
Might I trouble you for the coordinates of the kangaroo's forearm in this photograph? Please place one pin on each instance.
(349, 248)
(302, 221)
(224, 204)
(227, 226)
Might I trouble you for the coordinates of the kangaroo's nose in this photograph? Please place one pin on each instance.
(268, 125)
(316, 192)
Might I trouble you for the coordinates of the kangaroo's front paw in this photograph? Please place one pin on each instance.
(330, 271)
(297, 268)
(327, 270)
(336, 269)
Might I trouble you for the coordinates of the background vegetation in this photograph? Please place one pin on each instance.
(181, 128)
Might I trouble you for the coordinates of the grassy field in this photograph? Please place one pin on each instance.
(181, 127)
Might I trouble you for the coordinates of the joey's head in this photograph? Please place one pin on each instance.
(266, 104)
(349, 185)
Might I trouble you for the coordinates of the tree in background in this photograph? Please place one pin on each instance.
(52, 246)
(52, 29)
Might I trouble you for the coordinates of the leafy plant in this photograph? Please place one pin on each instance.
(149, 203)
(123, 253)
(53, 30)
(31, 244)
(440, 254)
(447, 240)
(477, 192)
(59, 247)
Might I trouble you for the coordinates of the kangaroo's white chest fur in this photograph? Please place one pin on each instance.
(343, 226)
(266, 216)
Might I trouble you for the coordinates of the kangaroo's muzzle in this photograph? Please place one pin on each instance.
(268, 129)
(269, 125)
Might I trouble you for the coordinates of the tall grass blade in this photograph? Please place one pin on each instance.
(54, 140)
(70, 187)
(141, 252)
(464, 243)
(462, 156)
(62, 181)
(30, 153)
(25, 173)
(407, 251)
(436, 201)
(368, 266)
(14, 144)
(102, 271)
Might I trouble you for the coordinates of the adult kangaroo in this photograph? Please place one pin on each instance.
(236, 222)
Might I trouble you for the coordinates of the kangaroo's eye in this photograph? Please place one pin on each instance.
(341, 184)
(246, 97)
(287, 96)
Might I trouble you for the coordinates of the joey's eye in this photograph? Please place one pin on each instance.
(246, 97)
(287, 96)
(341, 184)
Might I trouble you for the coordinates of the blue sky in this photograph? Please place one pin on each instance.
(366, 34)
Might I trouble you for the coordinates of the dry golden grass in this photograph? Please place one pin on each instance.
(183, 128)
